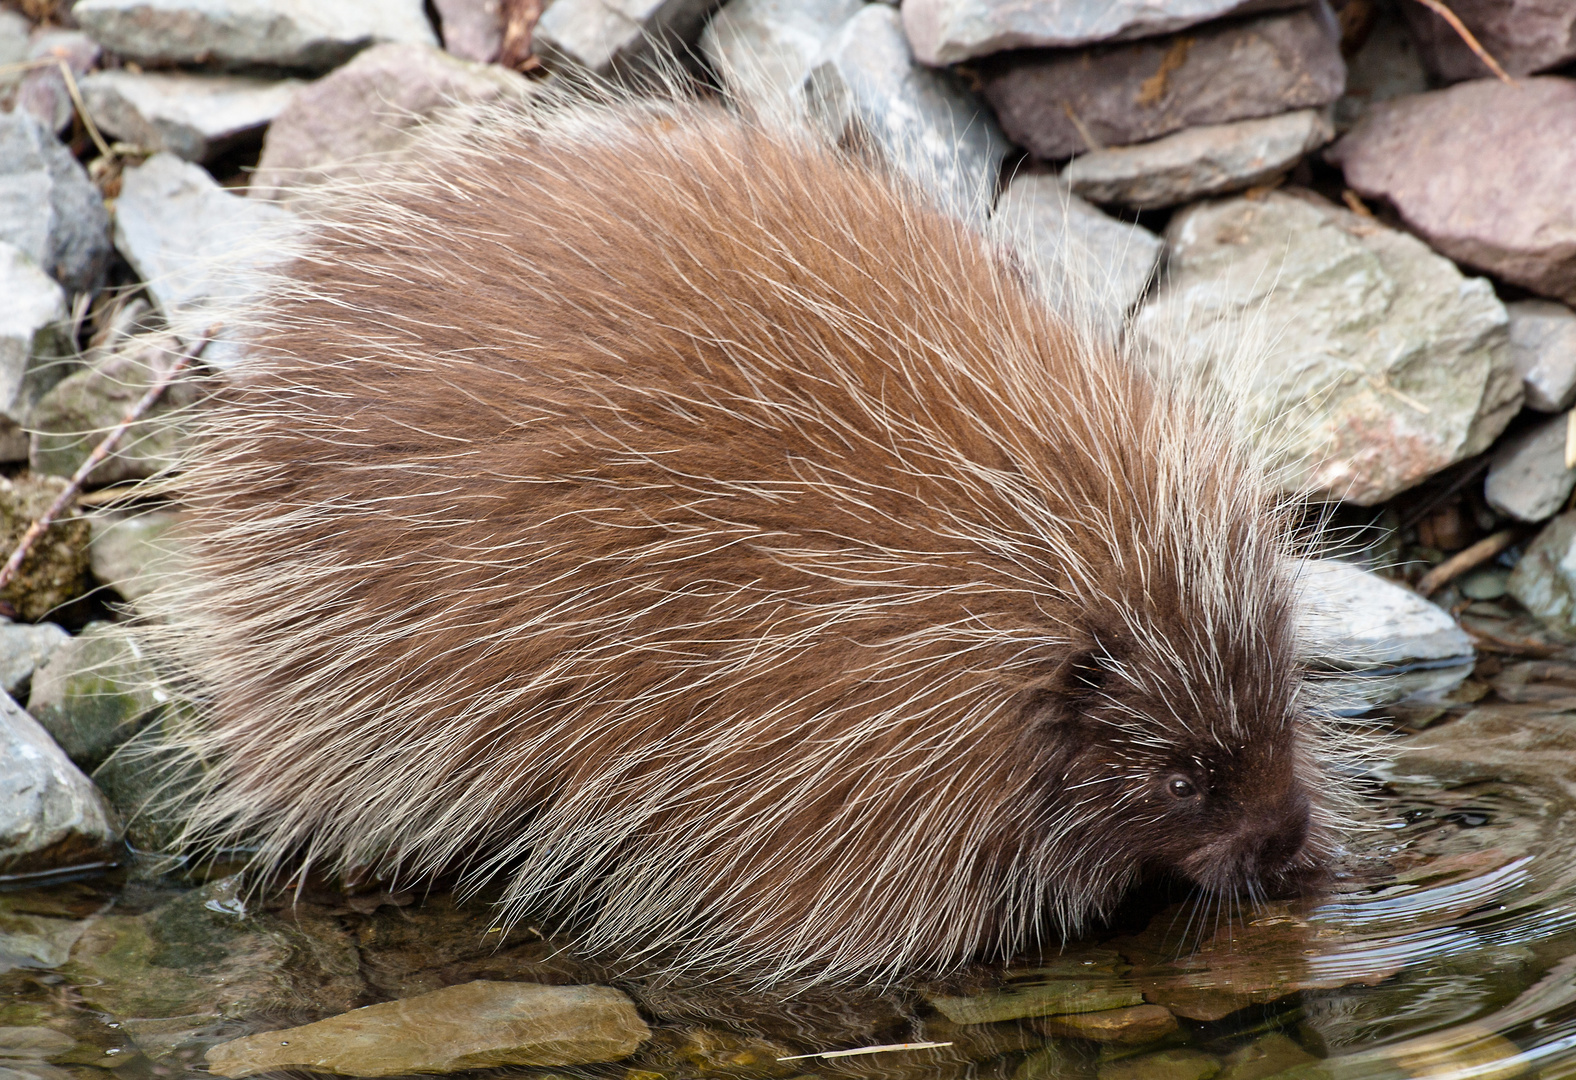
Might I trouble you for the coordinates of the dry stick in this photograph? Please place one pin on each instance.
(1464, 560)
(72, 89)
(1438, 8)
(100, 452)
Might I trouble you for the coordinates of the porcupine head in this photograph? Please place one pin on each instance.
(706, 539)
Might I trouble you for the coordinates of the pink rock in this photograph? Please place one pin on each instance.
(1485, 172)
(1523, 35)
(472, 29)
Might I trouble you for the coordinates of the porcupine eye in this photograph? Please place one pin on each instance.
(1180, 787)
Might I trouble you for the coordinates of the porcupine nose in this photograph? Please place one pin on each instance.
(1277, 849)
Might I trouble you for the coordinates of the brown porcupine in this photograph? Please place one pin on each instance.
(699, 533)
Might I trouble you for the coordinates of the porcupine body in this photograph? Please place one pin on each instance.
(722, 548)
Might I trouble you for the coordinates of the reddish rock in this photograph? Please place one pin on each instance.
(1059, 102)
(1485, 172)
(1523, 35)
(472, 29)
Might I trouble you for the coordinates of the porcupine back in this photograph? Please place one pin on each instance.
(702, 534)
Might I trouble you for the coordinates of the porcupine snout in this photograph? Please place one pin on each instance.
(1266, 853)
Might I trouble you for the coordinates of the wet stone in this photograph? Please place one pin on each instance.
(1080, 981)
(1165, 1065)
(23, 647)
(1543, 348)
(196, 117)
(866, 90)
(1544, 580)
(237, 33)
(1389, 365)
(475, 1025)
(1089, 266)
(35, 345)
(603, 38)
(55, 570)
(1265, 1057)
(95, 692)
(947, 31)
(1057, 103)
(1528, 479)
(762, 49)
(368, 110)
(1503, 208)
(1131, 1026)
(1197, 162)
(51, 816)
(48, 207)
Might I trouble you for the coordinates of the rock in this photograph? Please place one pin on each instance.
(1504, 207)
(947, 31)
(204, 967)
(244, 33)
(1528, 479)
(1081, 981)
(50, 814)
(369, 109)
(134, 553)
(197, 246)
(1385, 66)
(1376, 642)
(1165, 1065)
(23, 647)
(1264, 1057)
(1197, 162)
(1544, 580)
(1543, 348)
(69, 420)
(48, 207)
(1131, 1026)
(600, 37)
(1525, 36)
(762, 49)
(1488, 584)
(1090, 267)
(1063, 102)
(196, 117)
(56, 568)
(866, 90)
(14, 32)
(1390, 366)
(472, 29)
(476, 1025)
(95, 692)
(44, 92)
(34, 344)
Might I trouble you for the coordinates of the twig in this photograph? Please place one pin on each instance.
(519, 20)
(1464, 560)
(71, 89)
(1438, 8)
(886, 1048)
(103, 450)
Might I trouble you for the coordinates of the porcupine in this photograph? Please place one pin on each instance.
(699, 534)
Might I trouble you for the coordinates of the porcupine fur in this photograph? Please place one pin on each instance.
(702, 535)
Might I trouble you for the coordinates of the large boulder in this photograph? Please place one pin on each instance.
(1485, 172)
(1388, 366)
(48, 207)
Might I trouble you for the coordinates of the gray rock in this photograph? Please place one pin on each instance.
(1543, 348)
(198, 247)
(1528, 479)
(1524, 36)
(602, 37)
(472, 29)
(1385, 66)
(1089, 266)
(195, 117)
(1485, 172)
(1056, 103)
(48, 207)
(34, 343)
(474, 1025)
(55, 570)
(762, 49)
(1544, 580)
(233, 33)
(44, 92)
(14, 32)
(95, 692)
(23, 647)
(366, 112)
(866, 90)
(134, 553)
(1388, 365)
(51, 816)
(1375, 642)
(947, 31)
(1198, 162)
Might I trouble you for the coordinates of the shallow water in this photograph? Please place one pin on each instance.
(1445, 948)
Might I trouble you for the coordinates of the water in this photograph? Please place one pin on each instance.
(1445, 948)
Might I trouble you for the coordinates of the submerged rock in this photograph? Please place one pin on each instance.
(1130, 1026)
(1164, 1065)
(51, 816)
(475, 1025)
(1389, 365)
(1081, 980)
